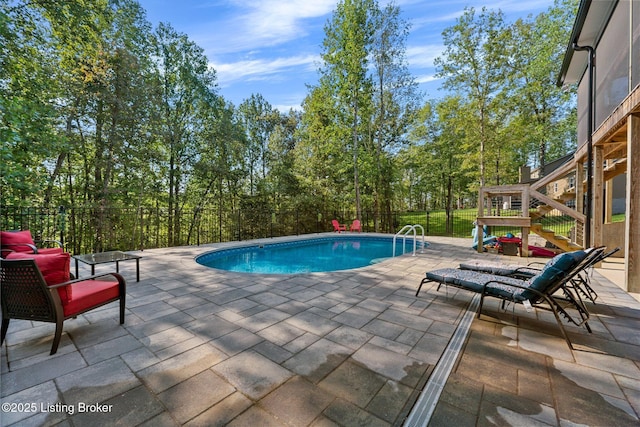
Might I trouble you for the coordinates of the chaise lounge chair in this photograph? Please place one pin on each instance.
(537, 291)
(581, 282)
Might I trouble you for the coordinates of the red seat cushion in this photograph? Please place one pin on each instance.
(54, 269)
(10, 238)
(88, 294)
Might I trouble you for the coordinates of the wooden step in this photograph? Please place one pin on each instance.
(561, 242)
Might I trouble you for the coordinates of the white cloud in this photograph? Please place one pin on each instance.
(263, 69)
(258, 24)
(427, 78)
(423, 56)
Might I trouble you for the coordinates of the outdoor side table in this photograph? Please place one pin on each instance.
(106, 257)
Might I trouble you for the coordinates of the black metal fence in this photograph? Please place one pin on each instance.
(85, 230)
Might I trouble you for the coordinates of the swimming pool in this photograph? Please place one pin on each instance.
(306, 256)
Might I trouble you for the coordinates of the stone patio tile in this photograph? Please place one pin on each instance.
(410, 337)
(356, 317)
(231, 295)
(297, 402)
(97, 383)
(272, 351)
(384, 329)
(145, 329)
(281, 333)
(187, 301)
(535, 387)
(487, 371)
(492, 414)
(392, 402)
(353, 383)
(222, 413)
(339, 308)
(194, 395)
(581, 403)
(211, 327)
(406, 319)
(323, 302)
(139, 359)
(349, 337)
(429, 348)
(42, 394)
(262, 320)
(313, 323)
(513, 407)
(593, 379)
(394, 346)
(174, 370)
(153, 310)
(166, 338)
(255, 416)
(35, 374)
(462, 392)
(179, 348)
(85, 335)
(446, 414)
(269, 298)
(374, 305)
(392, 365)
(252, 374)
(162, 420)
(130, 408)
(203, 310)
(609, 363)
(347, 414)
(292, 307)
(442, 329)
(243, 306)
(301, 342)
(317, 360)
(305, 295)
(237, 341)
(111, 348)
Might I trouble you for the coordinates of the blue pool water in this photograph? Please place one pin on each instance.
(306, 256)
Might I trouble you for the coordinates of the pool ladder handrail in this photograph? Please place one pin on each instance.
(404, 232)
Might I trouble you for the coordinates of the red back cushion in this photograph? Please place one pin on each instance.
(16, 237)
(54, 269)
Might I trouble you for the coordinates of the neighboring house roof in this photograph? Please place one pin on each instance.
(550, 167)
(591, 20)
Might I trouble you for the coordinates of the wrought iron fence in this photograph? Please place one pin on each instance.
(96, 229)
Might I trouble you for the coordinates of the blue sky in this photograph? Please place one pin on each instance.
(273, 47)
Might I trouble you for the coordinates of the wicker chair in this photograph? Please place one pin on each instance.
(26, 295)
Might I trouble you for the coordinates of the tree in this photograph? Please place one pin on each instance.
(259, 119)
(346, 47)
(395, 98)
(473, 65)
(543, 110)
(187, 85)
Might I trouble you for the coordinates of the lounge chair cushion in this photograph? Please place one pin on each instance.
(555, 269)
(473, 280)
(54, 269)
(501, 269)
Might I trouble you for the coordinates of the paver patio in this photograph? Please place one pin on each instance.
(202, 347)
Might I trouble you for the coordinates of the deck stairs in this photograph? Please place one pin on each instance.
(535, 212)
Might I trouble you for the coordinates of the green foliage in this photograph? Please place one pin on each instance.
(100, 110)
